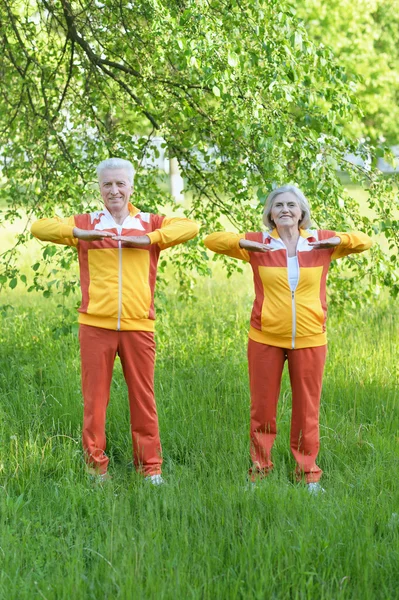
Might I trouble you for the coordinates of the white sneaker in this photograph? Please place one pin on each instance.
(100, 478)
(96, 476)
(315, 488)
(250, 486)
(155, 479)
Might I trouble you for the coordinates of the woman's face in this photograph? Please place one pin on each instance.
(286, 211)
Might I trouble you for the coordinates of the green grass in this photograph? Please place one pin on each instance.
(203, 535)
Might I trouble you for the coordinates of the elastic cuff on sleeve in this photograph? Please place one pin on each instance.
(235, 243)
(344, 237)
(66, 231)
(155, 236)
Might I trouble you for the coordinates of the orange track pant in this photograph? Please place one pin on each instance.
(306, 366)
(136, 349)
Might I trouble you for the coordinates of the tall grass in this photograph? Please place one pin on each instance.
(204, 535)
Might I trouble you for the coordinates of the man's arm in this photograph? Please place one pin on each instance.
(63, 231)
(56, 230)
(173, 231)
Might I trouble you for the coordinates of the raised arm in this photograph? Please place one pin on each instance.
(173, 231)
(351, 243)
(227, 243)
(63, 231)
(56, 230)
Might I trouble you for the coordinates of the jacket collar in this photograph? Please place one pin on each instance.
(133, 210)
(302, 232)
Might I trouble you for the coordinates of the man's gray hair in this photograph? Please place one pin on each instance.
(116, 163)
(305, 221)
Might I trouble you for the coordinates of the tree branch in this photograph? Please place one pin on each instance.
(63, 95)
(100, 62)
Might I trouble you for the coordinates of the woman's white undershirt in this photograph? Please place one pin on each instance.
(293, 272)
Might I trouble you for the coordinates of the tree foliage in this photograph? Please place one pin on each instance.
(364, 36)
(241, 94)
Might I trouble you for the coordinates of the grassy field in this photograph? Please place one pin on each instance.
(204, 535)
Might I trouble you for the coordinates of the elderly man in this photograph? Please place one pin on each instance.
(118, 248)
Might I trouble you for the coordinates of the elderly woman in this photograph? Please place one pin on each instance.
(290, 264)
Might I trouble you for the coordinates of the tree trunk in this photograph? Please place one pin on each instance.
(176, 180)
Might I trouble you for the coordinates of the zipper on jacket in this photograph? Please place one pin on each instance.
(119, 229)
(293, 318)
(293, 305)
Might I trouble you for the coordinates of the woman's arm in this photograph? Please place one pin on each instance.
(223, 242)
(351, 243)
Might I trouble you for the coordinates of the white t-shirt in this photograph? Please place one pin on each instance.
(293, 272)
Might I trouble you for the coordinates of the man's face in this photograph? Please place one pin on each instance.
(115, 189)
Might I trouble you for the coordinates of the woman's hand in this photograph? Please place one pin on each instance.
(254, 246)
(90, 235)
(133, 241)
(329, 243)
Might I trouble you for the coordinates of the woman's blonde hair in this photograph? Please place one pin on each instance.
(305, 221)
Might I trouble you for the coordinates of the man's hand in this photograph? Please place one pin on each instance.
(133, 241)
(329, 243)
(254, 246)
(91, 235)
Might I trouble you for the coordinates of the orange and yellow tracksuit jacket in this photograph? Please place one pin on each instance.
(117, 283)
(281, 317)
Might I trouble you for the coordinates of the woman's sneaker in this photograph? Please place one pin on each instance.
(315, 488)
(155, 479)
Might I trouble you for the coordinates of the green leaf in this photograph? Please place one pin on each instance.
(232, 60)
(247, 99)
(298, 39)
(216, 90)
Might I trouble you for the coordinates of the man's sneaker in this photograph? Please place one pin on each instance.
(96, 476)
(155, 479)
(250, 486)
(315, 488)
(100, 477)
